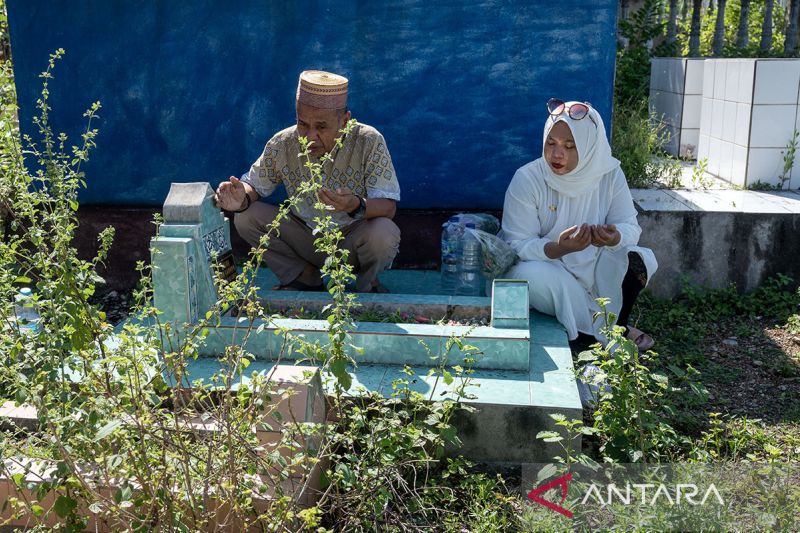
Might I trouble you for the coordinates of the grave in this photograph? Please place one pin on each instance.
(523, 375)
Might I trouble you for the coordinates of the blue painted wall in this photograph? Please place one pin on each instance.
(191, 90)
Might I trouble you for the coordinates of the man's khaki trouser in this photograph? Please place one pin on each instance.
(372, 243)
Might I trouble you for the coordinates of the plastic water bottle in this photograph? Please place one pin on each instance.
(27, 316)
(470, 278)
(452, 230)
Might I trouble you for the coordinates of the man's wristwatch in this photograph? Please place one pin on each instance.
(358, 212)
(246, 204)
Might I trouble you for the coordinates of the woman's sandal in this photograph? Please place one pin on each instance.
(642, 340)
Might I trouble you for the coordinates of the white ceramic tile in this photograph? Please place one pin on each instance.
(652, 101)
(764, 165)
(746, 73)
(669, 107)
(717, 117)
(720, 76)
(703, 147)
(742, 133)
(732, 80)
(749, 202)
(694, 76)
(739, 166)
(728, 121)
(656, 66)
(670, 139)
(725, 160)
(777, 200)
(790, 200)
(671, 74)
(709, 66)
(714, 149)
(657, 200)
(702, 200)
(658, 73)
(706, 108)
(772, 125)
(777, 81)
(690, 138)
(692, 104)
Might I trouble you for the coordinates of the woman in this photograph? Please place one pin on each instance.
(570, 217)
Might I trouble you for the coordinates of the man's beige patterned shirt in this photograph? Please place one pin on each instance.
(362, 164)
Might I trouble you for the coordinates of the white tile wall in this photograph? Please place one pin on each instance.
(705, 116)
(690, 138)
(772, 125)
(690, 117)
(702, 147)
(728, 121)
(708, 78)
(676, 86)
(720, 76)
(776, 81)
(717, 117)
(765, 165)
(732, 80)
(694, 76)
(670, 139)
(739, 167)
(746, 73)
(726, 160)
(742, 134)
(714, 152)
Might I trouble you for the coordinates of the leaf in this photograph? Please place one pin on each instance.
(447, 377)
(549, 436)
(661, 378)
(64, 505)
(547, 471)
(107, 430)
(22, 279)
(637, 455)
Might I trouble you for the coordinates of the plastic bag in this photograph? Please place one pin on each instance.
(498, 256)
(483, 221)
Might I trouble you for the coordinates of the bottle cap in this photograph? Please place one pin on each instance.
(25, 291)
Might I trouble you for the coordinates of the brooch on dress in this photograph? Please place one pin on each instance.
(552, 207)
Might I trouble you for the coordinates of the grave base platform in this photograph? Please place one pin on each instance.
(511, 406)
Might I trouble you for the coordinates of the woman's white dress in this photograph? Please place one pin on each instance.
(535, 214)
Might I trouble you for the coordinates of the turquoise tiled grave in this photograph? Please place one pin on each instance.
(523, 374)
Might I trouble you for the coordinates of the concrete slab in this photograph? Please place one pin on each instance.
(511, 406)
(658, 200)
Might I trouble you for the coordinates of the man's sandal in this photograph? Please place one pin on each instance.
(642, 340)
(296, 285)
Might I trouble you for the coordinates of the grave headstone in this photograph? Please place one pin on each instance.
(194, 236)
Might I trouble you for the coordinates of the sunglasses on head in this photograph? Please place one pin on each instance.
(575, 111)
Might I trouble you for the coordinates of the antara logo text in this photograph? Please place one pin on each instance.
(628, 494)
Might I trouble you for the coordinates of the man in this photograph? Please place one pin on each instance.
(360, 190)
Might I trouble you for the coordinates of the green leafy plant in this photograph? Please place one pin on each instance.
(788, 158)
(127, 438)
(638, 138)
(633, 406)
(699, 179)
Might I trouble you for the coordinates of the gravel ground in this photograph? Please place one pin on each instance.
(753, 370)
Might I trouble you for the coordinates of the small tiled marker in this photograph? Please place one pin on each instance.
(510, 308)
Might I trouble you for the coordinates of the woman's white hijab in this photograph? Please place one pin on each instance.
(594, 154)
